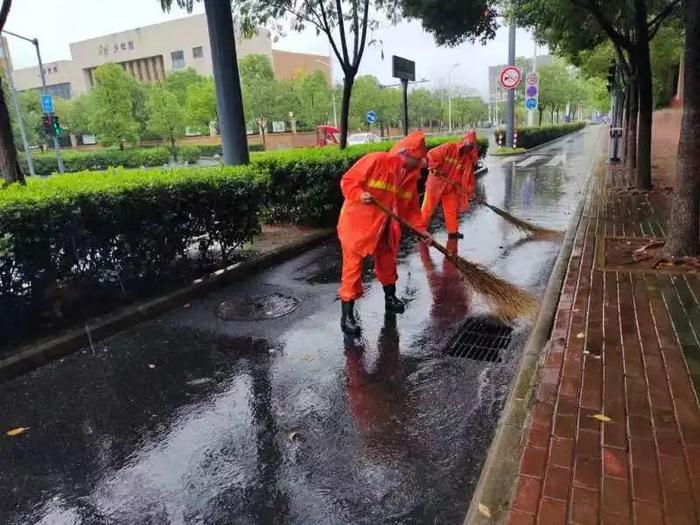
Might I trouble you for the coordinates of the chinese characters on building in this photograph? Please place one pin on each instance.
(113, 49)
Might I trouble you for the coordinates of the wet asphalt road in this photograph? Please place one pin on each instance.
(192, 419)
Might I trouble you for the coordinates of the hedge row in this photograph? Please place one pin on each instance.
(101, 159)
(529, 137)
(116, 230)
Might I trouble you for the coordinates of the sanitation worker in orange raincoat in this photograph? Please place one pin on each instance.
(456, 162)
(363, 229)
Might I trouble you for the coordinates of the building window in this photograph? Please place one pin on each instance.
(178, 59)
(197, 52)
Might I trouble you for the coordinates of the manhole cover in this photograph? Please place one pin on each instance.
(481, 339)
(257, 307)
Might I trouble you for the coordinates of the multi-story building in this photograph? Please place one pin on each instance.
(150, 53)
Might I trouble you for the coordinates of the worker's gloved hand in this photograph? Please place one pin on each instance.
(427, 238)
(366, 198)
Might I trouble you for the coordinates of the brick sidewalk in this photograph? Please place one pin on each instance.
(614, 435)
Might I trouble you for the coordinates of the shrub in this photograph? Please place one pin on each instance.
(189, 154)
(304, 183)
(100, 159)
(117, 229)
(534, 136)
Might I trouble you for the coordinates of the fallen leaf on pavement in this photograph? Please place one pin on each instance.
(17, 431)
(151, 366)
(579, 335)
(601, 417)
(187, 306)
(307, 358)
(484, 510)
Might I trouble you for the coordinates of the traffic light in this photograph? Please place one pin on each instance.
(56, 126)
(46, 124)
(611, 78)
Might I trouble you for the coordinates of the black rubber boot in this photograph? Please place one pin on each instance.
(455, 235)
(348, 323)
(393, 303)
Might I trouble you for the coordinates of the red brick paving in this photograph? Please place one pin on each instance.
(625, 345)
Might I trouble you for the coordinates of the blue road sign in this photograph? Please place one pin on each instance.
(46, 104)
(371, 117)
(531, 103)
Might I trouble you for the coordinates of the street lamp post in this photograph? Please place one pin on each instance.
(449, 97)
(44, 91)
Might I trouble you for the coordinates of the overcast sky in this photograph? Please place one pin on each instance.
(58, 22)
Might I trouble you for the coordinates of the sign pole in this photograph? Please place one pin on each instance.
(510, 108)
(404, 85)
(45, 91)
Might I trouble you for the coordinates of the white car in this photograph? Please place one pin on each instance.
(362, 138)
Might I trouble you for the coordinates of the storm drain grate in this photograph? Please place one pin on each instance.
(257, 307)
(481, 339)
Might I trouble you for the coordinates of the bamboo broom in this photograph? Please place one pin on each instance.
(523, 226)
(509, 301)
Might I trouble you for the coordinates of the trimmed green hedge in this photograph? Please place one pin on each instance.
(115, 230)
(529, 137)
(100, 159)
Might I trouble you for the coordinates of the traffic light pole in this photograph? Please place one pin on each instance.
(45, 91)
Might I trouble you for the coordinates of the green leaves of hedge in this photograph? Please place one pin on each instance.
(534, 136)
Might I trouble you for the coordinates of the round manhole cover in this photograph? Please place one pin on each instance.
(257, 307)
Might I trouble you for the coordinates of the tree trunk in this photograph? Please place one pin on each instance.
(632, 120)
(173, 148)
(9, 164)
(625, 120)
(683, 225)
(541, 115)
(646, 97)
(348, 82)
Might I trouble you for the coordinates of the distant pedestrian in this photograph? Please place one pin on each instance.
(363, 229)
(452, 161)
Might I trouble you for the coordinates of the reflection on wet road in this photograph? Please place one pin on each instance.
(194, 419)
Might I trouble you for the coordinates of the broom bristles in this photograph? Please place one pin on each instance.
(509, 301)
(524, 226)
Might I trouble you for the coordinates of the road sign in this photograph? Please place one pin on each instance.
(403, 68)
(371, 117)
(532, 92)
(46, 103)
(510, 77)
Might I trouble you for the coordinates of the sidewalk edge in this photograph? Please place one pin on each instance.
(37, 354)
(502, 461)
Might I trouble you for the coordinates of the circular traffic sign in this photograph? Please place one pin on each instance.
(531, 103)
(510, 77)
(531, 91)
(371, 117)
(533, 79)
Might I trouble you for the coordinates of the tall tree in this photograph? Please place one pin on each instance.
(311, 98)
(9, 163)
(261, 92)
(683, 226)
(200, 105)
(113, 117)
(166, 116)
(179, 83)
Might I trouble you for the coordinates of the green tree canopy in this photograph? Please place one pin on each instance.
(114, 100)
(166, 116)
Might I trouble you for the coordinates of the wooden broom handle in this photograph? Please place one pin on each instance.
(456, 184)
(408, 225)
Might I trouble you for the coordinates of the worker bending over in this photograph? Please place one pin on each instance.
(451, 171)
(363, 229)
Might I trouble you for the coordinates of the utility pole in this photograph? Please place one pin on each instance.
(18, 110)
(510, 108)
(44, 91)
(229, 100)
(404, 85)
(449, 97)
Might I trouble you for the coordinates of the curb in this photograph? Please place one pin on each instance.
(502, 461)
(540, 146)
(40, 353)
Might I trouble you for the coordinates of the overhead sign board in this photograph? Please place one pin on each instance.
(46, 103)
(510, 77)
(403, 68)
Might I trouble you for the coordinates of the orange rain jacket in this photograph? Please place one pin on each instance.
(384, 176)
(446, 160)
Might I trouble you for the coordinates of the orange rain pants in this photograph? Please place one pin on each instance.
(450, 208)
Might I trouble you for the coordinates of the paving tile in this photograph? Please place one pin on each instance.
(561, 452)
(527, 494)
(584, 506)
(646, 485)
(552, 512)
(538, 437)
(640, 427)
(588, 443)
(674, 475)
(557, 481)
(615, 463)
(680, 508)
(564, 427)
(517, 517)
(615, 497)
(643, 453)
(533, 462)
(587, 472)
(646, 513)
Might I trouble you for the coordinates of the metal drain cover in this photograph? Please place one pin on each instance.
(481, 339)
(257, 307)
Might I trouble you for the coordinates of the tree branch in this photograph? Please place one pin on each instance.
(341, 28)
(329, 34)
(654, 24)
(615, 36)
(4, 11)
(356, 22)
(365, 23)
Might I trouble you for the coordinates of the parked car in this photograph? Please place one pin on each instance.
(362, 138)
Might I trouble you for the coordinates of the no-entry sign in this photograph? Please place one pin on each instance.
(510, 77)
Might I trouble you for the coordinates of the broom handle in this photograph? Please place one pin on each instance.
(459, 187)
(415, 230)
